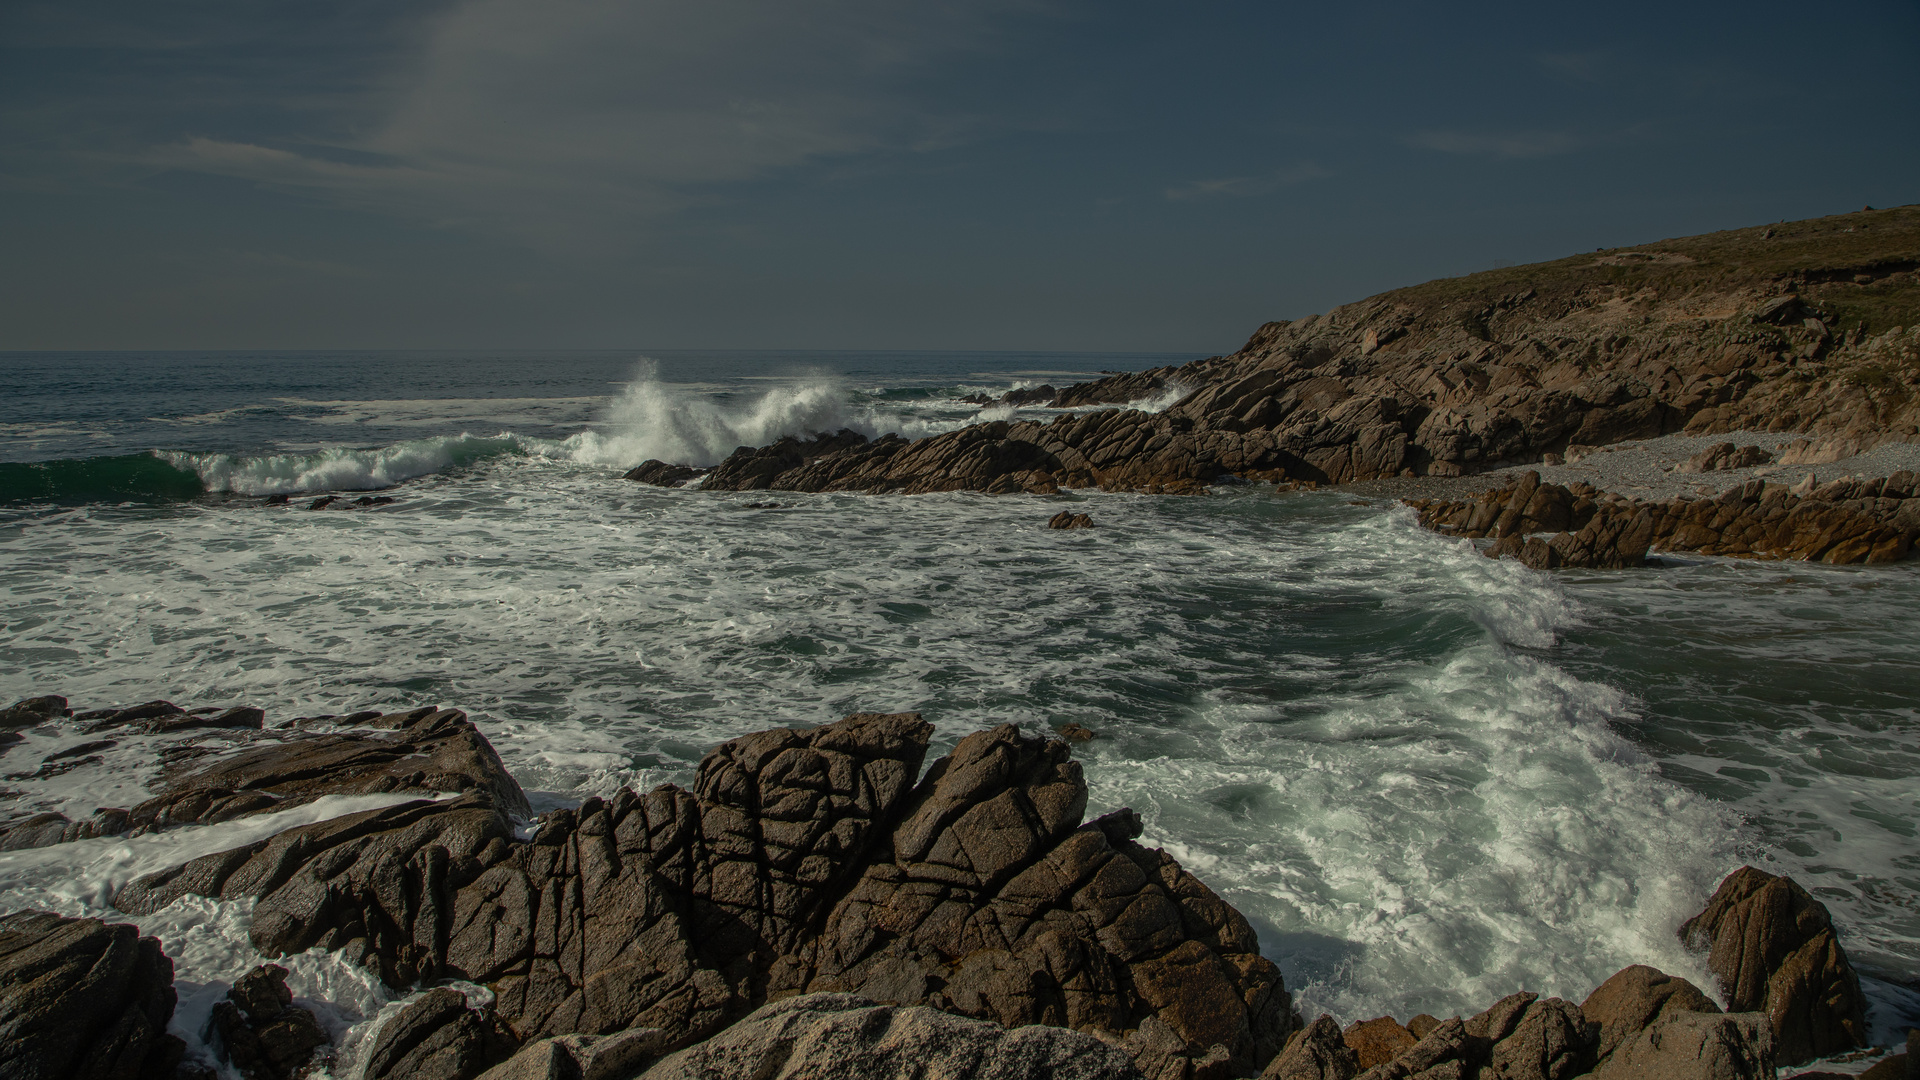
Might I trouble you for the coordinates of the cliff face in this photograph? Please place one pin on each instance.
(1810, 327)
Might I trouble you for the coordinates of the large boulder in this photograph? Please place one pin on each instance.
(1687, 1045)
(81, 999)
(1635, 997)
(1315, 1052)
(437, 1037)
(843, 1037)
(1774, 950)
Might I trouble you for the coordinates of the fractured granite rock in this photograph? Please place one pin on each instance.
(1774, 949)
(81, 999)
(261, 1032)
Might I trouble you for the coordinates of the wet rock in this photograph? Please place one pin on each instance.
(1067, 519)
(84, 1000)
(800, 861)
(1687, 1045)
(261, 1032)
(323, 502)
(1075, 733)
(844, 1037)
(1315, 1052)
(660, 474)
(438, 1037)
(34, 711)
(1377, 1041)
(1635, 997)
(1774, 949)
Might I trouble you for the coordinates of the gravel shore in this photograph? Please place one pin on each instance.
(1647, 469)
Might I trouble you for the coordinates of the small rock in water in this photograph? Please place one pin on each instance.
(323, 502)
(1067, 519)
(262, 1033)
(1075, 732)
(660, 474)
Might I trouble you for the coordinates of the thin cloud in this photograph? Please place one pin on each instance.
(1583, 67)
(1525, 144)
(1240, 187)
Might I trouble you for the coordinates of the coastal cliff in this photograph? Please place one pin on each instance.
(1811, 327)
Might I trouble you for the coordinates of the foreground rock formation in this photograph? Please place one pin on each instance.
(816, 907)
(1845, 521)
(1809, 326)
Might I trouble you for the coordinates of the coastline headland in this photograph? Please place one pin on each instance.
(1807, 331)
(817, 905)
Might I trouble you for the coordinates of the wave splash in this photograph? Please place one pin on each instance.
(651, 420)
(344, 469)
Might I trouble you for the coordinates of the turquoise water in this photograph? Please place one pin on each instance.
(1428, 778)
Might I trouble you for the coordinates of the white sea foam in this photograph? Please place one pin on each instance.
(342, 469)
(1370, 739)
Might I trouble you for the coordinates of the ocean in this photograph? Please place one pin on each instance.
(1429, 779)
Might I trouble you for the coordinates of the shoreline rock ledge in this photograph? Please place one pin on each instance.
(815, 906)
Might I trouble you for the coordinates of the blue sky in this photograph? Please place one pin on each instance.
(1056, 175)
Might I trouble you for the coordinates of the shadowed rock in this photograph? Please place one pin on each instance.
(437, 1037)
(261, 1032)
(1315, 1052)
(843, 1037)
(1774, 950)
(83, 1000)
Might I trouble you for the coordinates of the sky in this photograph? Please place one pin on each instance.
(1002, 174)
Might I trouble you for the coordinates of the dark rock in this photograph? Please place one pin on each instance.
(34, 711)
(323, 502)
(843, 1037)
(438, 1037)
(1725, 455)
(1774, 949)
(1635, 997)
(1075, 733)
(660, 474)
(1315, 1052)
(1067, 519)
(1686, 1045)
(83, 1000)
(1891, 1067)
(583, 1057)
(261, 1032)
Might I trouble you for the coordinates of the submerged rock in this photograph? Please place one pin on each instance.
(81, 999)
(660, 474)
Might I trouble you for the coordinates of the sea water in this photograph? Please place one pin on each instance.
(1429, 779)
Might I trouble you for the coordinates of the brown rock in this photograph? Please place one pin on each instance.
(262, 1033)
(1695, 1046)
(660, 474)
(34, 711)
(1635, 997)
(84, 1000)
(438, 1037)
(1775, 951)
(1067, 519)
(1315, 1052)
(1377, 1041)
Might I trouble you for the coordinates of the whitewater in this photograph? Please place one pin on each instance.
(1427, 778)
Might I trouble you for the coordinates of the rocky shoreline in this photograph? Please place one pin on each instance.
(816, 905)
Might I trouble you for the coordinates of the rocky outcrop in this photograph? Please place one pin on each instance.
(438, 1037)
(83, 1000)
(261, 1032)
(1725, 455)
(1067, 519)
(660, 474)
(1845, 521)
(1774, 949)
(801, 861)
(1809, 327)
(1696, 1046)
(1636, 997)
(428, 750)
(844, 1037)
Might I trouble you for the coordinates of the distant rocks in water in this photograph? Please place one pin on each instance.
(1075, 733)
(1723, 456)
(341, 502)
(814, 906)
(81, 999)
(1845, 521)
(1019, 396)
(660, 474)
(34, 711)
(1067, 519)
